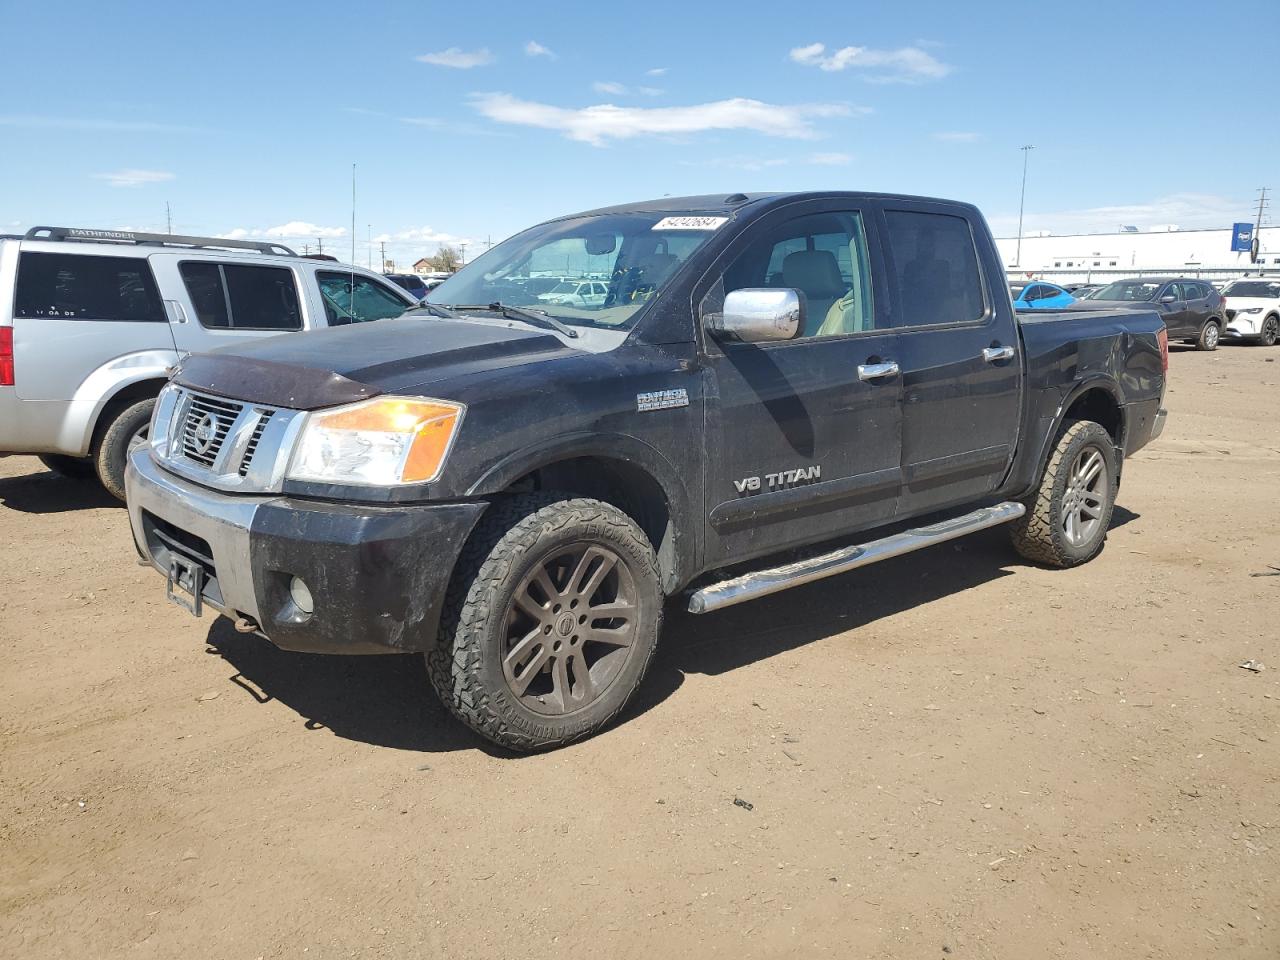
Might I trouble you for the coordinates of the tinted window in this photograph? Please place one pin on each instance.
(241, 296)
(76, 287)
(824, 256)
(936, 268)
(370, 300)
(1172, 290)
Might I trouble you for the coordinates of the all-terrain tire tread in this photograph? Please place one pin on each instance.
(115, 439)
(510, 525)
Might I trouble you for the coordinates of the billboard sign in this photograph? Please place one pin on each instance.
(1241, 237)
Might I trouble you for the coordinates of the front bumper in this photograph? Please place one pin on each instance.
(377, 575)
(1243, 326)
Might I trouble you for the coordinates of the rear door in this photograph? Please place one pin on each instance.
(1177, 316)
(961, 366)
(799, 446)
(212, 303)
(75, 312)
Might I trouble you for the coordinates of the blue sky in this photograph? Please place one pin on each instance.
(470, 120)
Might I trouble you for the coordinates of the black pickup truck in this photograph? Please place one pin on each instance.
(728, 396)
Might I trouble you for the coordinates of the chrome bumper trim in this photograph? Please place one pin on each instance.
(222, 521)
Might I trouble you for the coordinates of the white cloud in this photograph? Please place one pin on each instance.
(610, 87)
(656, 72)
(831, 159)
(293, 230)
(650, 91)
(598, 124)
(420, 235)
(904, 65)
(133, 178)
(958, 136)
(534, 49)
(458, 58)
(1188, 210)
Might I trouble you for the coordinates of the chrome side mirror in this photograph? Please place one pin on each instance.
(759, 315)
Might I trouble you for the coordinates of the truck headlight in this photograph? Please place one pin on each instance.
(380, 442)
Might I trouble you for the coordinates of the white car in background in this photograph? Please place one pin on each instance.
(577, 293)
(1253, 310)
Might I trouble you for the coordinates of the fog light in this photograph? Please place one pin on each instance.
(301, 595)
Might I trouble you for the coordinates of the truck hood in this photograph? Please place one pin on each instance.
(325, 368)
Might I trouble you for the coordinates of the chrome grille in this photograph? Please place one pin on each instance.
(255, 438)
(205, 427)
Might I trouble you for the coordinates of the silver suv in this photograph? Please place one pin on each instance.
(91, 321)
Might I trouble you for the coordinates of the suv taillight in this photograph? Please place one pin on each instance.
(6, 356)
(1162, 338)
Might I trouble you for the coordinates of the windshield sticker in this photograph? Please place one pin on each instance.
(690, 223)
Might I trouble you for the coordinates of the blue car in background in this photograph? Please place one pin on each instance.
(1038, 295)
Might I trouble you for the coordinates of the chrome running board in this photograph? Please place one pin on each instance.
(761, 583)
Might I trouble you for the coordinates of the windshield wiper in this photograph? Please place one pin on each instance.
(434, 309)
(536, 317)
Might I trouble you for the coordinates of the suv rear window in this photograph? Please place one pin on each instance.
(65, 286)
(242, 297)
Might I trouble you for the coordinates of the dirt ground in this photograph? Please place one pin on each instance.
(949, 754)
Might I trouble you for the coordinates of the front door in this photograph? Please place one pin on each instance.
(960, 357)
(800, 447)
(1177, 315)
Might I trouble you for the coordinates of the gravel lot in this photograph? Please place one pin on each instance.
(951, 753)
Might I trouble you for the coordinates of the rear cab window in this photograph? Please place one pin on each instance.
(242, 296)
(65, 286)
(935, 266)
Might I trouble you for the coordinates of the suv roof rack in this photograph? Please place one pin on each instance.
(159, 239)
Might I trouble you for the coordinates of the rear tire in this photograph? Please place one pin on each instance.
(517, 659)
(1210, 334)
(124, 434)
(1066, 521)
(72, 468)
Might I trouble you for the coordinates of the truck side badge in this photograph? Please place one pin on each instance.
(662, 399)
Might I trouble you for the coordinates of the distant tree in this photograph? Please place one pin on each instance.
(447, 259)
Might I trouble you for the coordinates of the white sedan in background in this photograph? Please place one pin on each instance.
(1253, 310)
(577, 293)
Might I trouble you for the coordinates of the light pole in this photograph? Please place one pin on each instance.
(1026, 152)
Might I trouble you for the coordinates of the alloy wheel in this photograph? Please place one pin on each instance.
(569, 628)
(1085, 499)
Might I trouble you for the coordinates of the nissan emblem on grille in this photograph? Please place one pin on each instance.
(205, 432)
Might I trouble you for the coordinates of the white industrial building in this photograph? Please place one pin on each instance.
(1101, 256)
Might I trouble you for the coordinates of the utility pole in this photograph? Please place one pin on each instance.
(382, 244)
(320, 244)
(1026, 152)
(463, 245)
(1257, 226)
(168, 217)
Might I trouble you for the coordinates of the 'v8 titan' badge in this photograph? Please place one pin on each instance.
(777, 481)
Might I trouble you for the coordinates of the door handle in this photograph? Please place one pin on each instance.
(996, 354)
(877, 371)
(175, 311)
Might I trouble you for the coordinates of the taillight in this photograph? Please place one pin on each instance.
(6, 356)
(1162, 338)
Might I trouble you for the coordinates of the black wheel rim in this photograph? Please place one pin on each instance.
(1269, 331)
(569, 628)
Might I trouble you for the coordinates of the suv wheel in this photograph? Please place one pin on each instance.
(73, 468)
(1209, 334)
(1066, 522)
(1270, 331)
(124, 434)
(550, 621)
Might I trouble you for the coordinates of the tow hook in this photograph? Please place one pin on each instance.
(246, 625)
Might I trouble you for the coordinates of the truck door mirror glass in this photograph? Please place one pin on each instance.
(759, 315)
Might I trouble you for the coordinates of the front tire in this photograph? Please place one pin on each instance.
(1270, 331)
(1210, 334)
(550, 621)
(123, 435)
(1066, 522)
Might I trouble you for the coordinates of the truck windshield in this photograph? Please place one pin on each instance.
(631, 257)
(1136, 290)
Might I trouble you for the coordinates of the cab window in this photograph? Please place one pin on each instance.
(824, 257)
